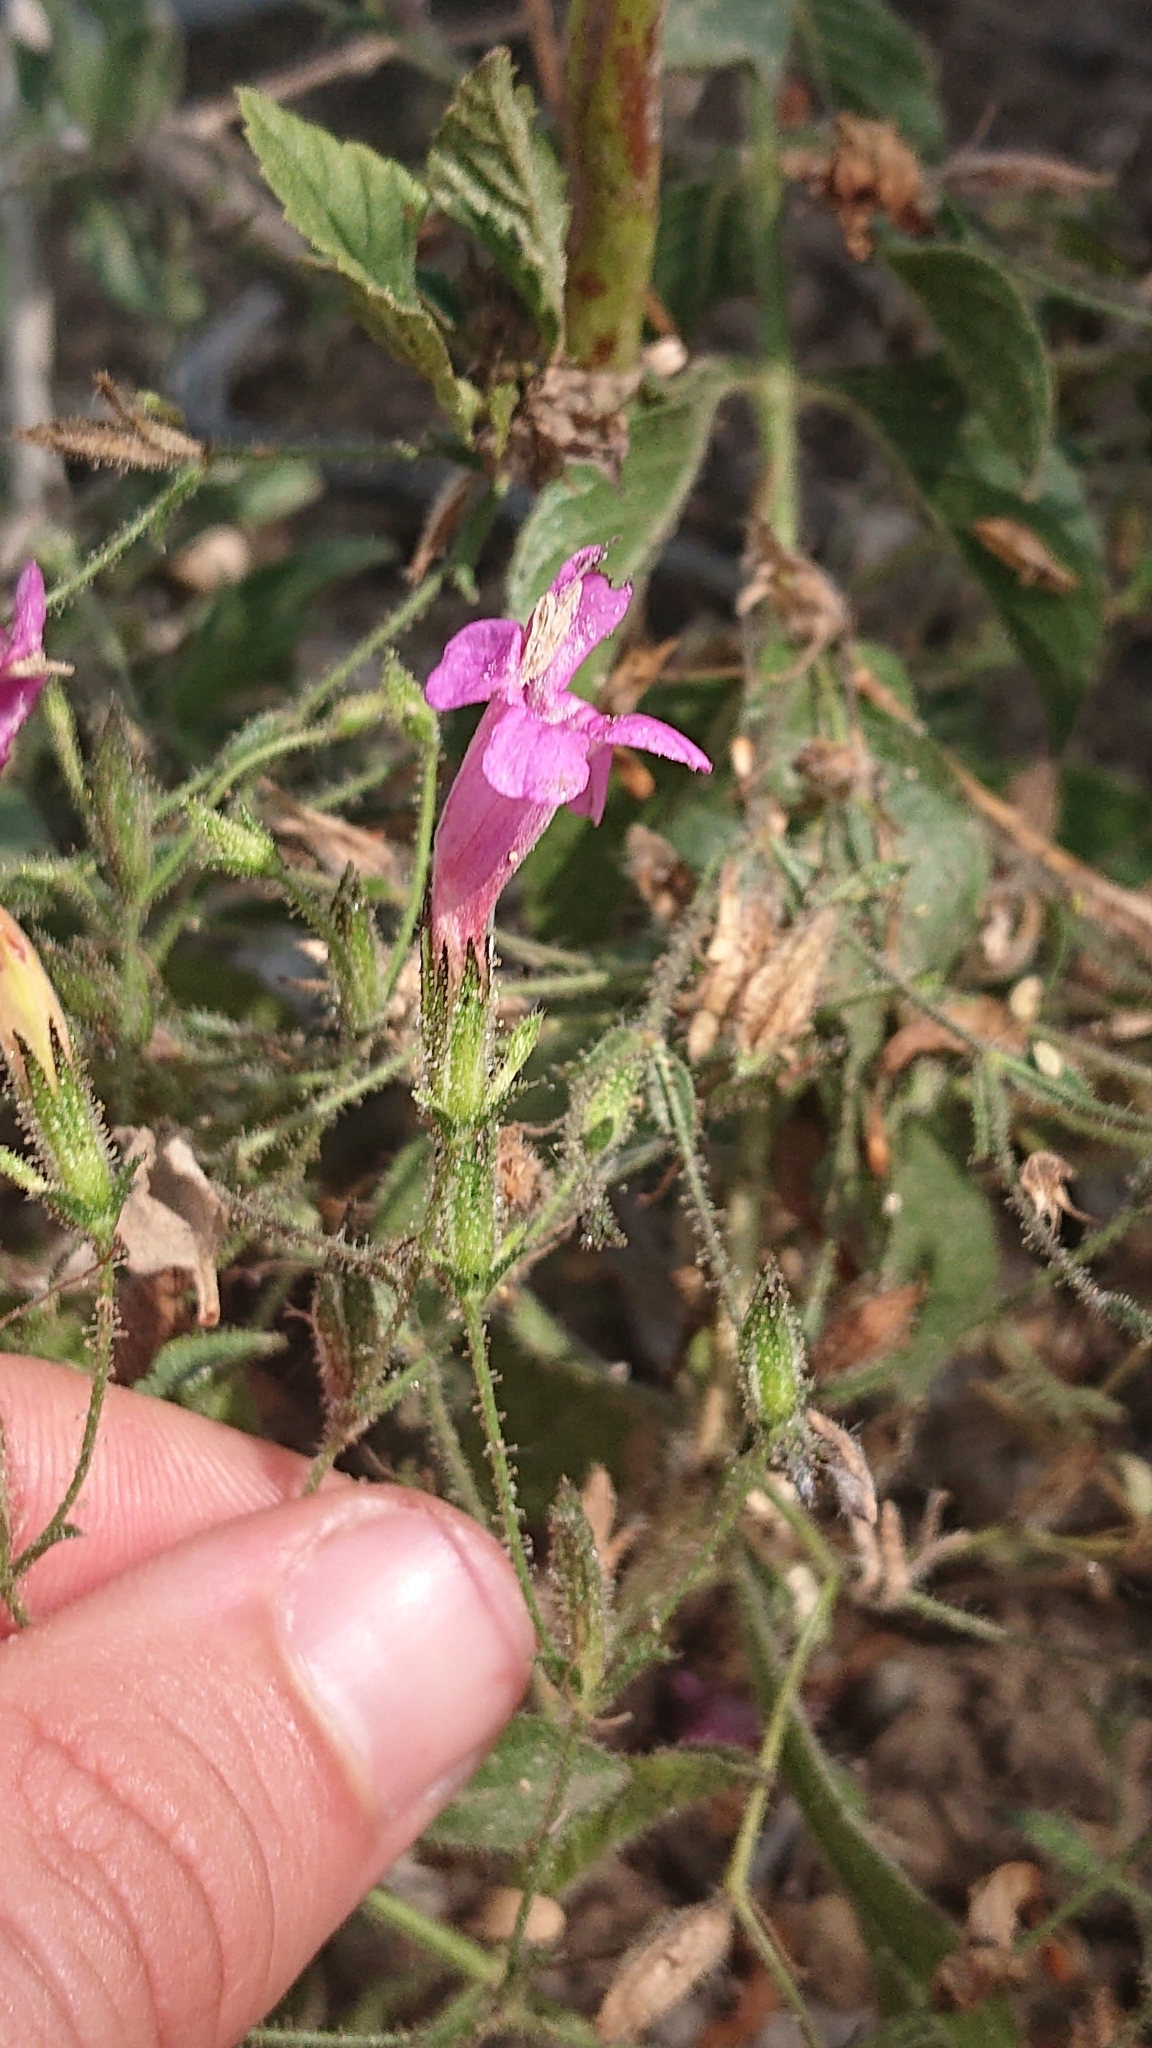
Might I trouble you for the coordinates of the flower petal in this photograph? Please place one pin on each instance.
(599, 611)
(28, 615)
(652, 736)
(592, 799)
(481, 840)
(481, 661)
(17, 699)
(527, 758)
(578, 565)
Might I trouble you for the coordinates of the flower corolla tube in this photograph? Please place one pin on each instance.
(536, 747)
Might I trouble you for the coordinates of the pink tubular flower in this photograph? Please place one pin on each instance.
(536, 747)
(23, 667)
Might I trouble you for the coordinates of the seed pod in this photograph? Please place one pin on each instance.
(773, 1367)
(662, 1971)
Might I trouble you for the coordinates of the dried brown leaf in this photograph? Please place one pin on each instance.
(333, 843)
(656, 870)
(543, 1927)
(743, 935)
(848, 1467)
(987, 1959)
(173, 1218)
(634, 674)
(568, 415)
(520, 1174)
(870, 169)
(777, 1004)
(1023, 170)
(1022, 550)
(655, 1976)
(633, 774)
(1044, 1178)
(806, 602)
(868, 1329)
(136, 438)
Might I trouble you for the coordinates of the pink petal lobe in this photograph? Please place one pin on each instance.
(479, 662)
(527, 758)
(577, 565)
(592, 799)
(29, 614)
(481, 840)
(652, 736)
(17, 700)
(598, 613)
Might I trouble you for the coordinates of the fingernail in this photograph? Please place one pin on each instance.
(407, 1629)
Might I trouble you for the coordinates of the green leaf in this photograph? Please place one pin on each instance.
(184, 1361)
(704, 247)
(895, 1917)
(943, 1233)
(863, 57)
(662, 1783)
(708, 35)
(990, 339)
(919, 410)
(502, 1809)
(362, 213)
(942, 846)
(668, 440)
(114, 66)
(491, 171)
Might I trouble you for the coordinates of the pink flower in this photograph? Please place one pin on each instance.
(536, 747)
(23, 667)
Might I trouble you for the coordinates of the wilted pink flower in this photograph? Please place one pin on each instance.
(23, 667)
(536, 747)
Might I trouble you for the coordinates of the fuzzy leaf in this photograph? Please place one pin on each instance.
(502, 1809)
(919, 410)
(668, 440)
(864, 58)
(943, 848)
(945, 1233)
(491, 171)
(708, 35)
(661, 1783)
(362, 213)
(990, 339)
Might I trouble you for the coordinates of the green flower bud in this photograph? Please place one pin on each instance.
(238, 844)
(122, 803)
(581, 1595)
(354, 956)
(605, 1091)
(773, 1367)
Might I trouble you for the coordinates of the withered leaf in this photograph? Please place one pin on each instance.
(656, 870)
(663, 1969)
(135, 438)
(869, 169)
(1022, 550)
(570, 415)
(867, 1330)
(848, 1468)
(333, 843)
(806, 602)
(173, 1217)
(744, 932)
(776, 1006)
(987, 1958)
(1044, 1178)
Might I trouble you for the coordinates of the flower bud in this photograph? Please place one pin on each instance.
(771, 1354)
(239, 844)
(605, 1091)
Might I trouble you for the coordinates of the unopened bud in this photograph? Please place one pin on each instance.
(658, 1974)
(771, 1353)
(239, 844)
(578, 1578)
(605, 1090)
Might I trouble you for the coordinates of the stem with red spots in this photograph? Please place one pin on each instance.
(612, 136)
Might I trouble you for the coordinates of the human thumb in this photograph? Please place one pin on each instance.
(210, 1759)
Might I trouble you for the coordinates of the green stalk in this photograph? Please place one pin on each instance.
(776, 378)
(57, 1529)
(502, 1471)
(612, 138)
(183, 484)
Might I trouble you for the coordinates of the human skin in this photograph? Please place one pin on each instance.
(234, 1708)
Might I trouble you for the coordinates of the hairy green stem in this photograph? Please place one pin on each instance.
(184, 483)
(612, 138)
(502, 1472)
(462, 1955)
(57, 1530)
(421, 857)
